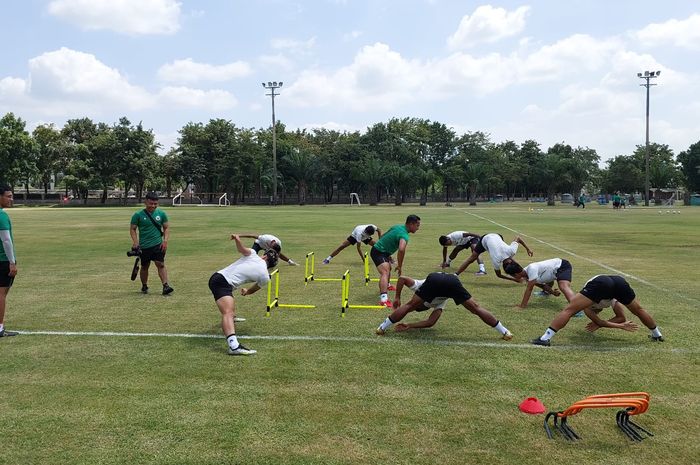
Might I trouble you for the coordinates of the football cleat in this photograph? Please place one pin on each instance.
(241, 350)
(540, 342)
(507, 336)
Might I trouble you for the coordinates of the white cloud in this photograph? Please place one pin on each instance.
(680, 33)
(12, 88)
(293, 45)
(352, 35)
(276, 61)
(487, 24)
(333, 126)
(133, 17)
(197, 98)
(188, 70)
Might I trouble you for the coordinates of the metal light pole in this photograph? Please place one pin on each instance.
(647, 76)
(273, 85)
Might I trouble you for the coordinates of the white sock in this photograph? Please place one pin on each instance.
(329, 258)
(549, 334)
(232, 341)
(654, 332)
(500, 328)
(448, 261)
(383, 297)
(2, 326)
(386, 324)
(482, 268)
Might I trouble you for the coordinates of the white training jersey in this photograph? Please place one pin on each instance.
(497, 249)
(359, 232)
(544, 271)
(436, 303)
(458, 238)
(265, 241)
(247, 269)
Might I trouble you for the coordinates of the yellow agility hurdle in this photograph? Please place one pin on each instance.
(276, 301)
(345, 296)
(309, 271)
(367, 278)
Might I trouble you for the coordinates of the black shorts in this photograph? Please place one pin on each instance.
(379, 257)
(256, 247)
(479, 249)
(608, 287)
(219, 286)
(353, 241)
(5, 280)
(443, 285)
(565, 271)
(154, 253)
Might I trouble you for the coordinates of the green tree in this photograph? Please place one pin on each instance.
(17, 150)
(52, 149)
(689, 161)
(300, 165)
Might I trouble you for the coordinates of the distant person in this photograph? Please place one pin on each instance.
(616, 201)
(152, 241)
(498, 251)
(460, 240)
(395, 239)
(268, 241)
(362, 234)
(249, 268)
(598, 288)
(8, 259)
(581, 201)
(542, 274)
(433, 292)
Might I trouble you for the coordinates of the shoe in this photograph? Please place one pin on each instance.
(379, 331)
(292, 263)
(480, 273)
(386, 303)
(167, 290)
(240, 350)
(656, 338)
(541, 294)
(540, 342)
(578, 314)
(144, 290)
(326, 261)
(391, 287)
(238, 319)
(507, 336)
(6, 333)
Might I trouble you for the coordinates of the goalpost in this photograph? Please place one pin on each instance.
(355, 198)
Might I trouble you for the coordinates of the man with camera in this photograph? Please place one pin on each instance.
(151, 242)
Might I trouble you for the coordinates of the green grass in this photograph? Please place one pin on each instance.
(447, 395)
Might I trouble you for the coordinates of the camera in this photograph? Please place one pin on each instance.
(134, 252)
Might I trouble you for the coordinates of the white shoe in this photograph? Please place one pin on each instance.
(240, 350)
(238, 320)
(507, 336)
(379, 331)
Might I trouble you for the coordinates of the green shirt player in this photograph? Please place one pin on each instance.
(152, 240)
(395, 239)
(8, 261)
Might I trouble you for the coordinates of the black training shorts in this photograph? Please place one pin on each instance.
(443, 285)
(379, 257)
(608, 287)
(154, 253)
(5, 279)
(565, 271)
(219, 286)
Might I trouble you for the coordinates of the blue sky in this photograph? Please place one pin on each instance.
(551, 71)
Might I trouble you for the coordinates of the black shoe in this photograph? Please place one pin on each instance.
(167, 290)
(656, 338)
(6, 333)
(540, 342)
(144, 289)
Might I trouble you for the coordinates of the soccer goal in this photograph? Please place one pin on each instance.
(355, 198)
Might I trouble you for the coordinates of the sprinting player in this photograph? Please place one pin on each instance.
(396, 238)
(433, 292)
(542, 274)
(461, 240)
(8, 260)
(498, 251)
(600, 288)
(266, 242)
(152, 240)
(362, 234)
(249, 268)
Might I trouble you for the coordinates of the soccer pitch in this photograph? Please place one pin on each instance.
(104, 374)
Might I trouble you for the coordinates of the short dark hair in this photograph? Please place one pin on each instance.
(151, 196)
(276, 248)
(369, 230)
(4, 188)
(512, 267)
(443, 240)
(412, 219)
(271, 257)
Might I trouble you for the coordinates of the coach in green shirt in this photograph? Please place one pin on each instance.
(8, 261)
(396, 238)
(152, 239)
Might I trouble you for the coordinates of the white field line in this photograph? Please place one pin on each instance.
(650, 347)
(595, 262)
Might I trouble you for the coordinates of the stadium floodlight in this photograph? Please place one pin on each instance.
(272, 86)
(647, 76)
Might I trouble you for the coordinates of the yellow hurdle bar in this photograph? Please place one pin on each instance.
(275, 302)
(374, 280)
(345, 296)
(309, 271)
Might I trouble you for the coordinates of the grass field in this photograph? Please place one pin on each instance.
(326, 390)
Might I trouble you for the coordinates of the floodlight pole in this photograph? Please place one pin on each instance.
(272, 86)
(647, 76)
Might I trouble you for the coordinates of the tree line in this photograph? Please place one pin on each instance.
(401, 159)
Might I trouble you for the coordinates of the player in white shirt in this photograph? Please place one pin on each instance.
(498, 251)
(460, 240)
(433, 292)
(249, 268)
(542, 274)
(267, 242)
(362, 234)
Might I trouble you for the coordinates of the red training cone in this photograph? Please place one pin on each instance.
(532, 405)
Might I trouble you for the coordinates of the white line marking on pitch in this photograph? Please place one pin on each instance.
(366, 340)
(595, 262)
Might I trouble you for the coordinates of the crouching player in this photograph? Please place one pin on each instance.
(542, 274)
(433, 292)
(249, 268)
(600, 288)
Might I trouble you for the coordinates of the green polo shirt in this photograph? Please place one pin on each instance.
(6, 225)
(389, 243)
(149, 236)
